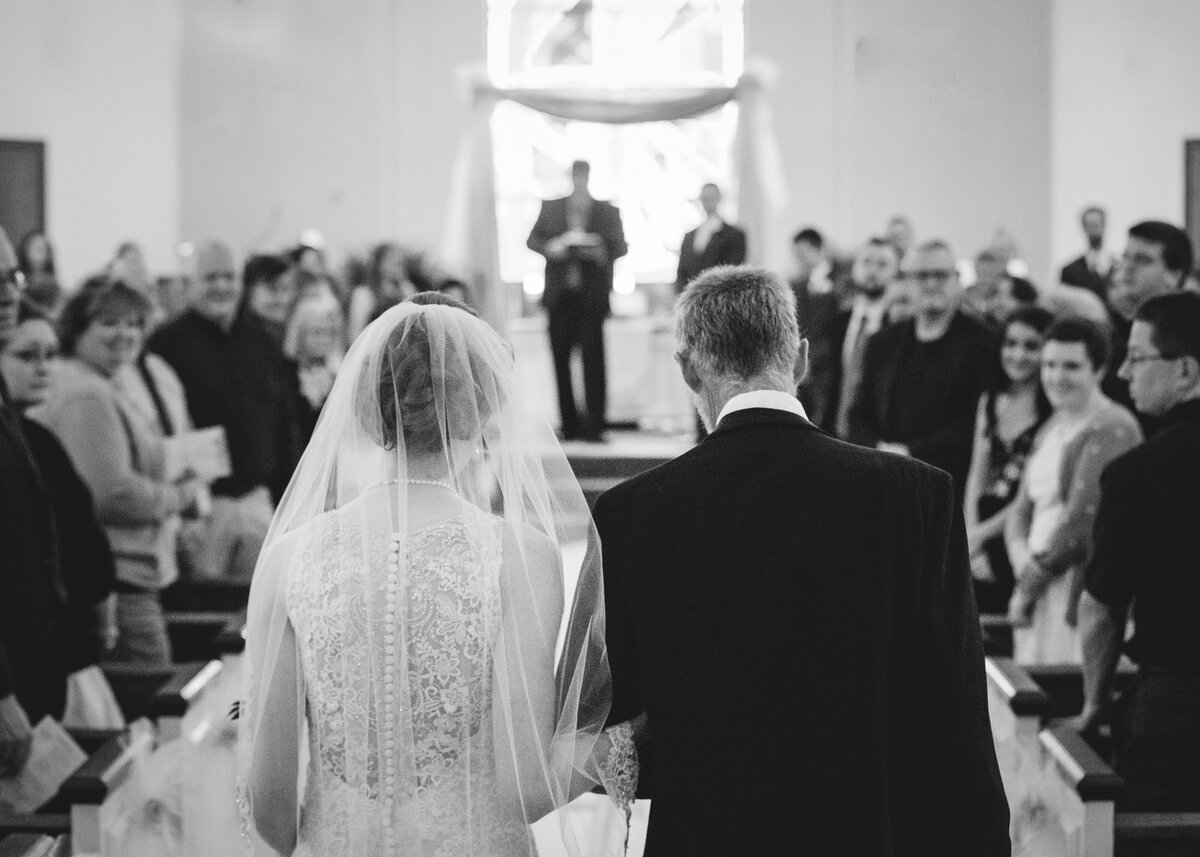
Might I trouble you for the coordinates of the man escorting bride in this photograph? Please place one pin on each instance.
(405, 611)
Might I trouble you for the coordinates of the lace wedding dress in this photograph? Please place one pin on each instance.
(439, 798)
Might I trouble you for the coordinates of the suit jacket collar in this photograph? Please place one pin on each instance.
(760, 416)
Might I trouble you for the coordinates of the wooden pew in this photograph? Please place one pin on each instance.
(35, 845)
(1063, 683)
(194, 633)
(200, 596)
(997, 635)
(1164, 834)
(170, 702)
(135, 684)
(1088, 791)
(232, 639)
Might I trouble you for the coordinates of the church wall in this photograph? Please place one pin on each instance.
(98, 83)
(320, 113)
(934, 108)
(1125, 97)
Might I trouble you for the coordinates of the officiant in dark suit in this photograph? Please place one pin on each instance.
(794, 616)
(580, 237)
(714, 242)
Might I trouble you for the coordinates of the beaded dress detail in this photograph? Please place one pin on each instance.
(396, 641)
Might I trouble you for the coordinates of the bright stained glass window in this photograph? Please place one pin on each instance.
(652, 171)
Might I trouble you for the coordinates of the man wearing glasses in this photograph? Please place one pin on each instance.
(33, 675)
(921, 378)
(1147, 556)
(1157, 259)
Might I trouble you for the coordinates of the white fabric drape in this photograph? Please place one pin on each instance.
(471, 245)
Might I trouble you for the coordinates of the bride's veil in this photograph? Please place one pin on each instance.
(405, 612)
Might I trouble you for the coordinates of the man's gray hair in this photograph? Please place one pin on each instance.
(738, 321)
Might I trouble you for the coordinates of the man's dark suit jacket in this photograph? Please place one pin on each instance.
(795, 616)
(924, 394)
(726, 246)
(605, 221)
(1077, 273)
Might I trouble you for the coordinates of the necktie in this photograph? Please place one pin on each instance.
(853, 350)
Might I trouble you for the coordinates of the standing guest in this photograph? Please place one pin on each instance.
(456, 289)
(922, 378)
(315, 343)
(236, 377)
(1147, 556)
(36, 258)
(33, 596)
(580, 238)
(268, 294)
(1092, 270)
(817, 308)
(28, 364)
(870, 624)
(1156, 261)
(1048, 531)
(129, 266)
(387, 284)
(714, 242)
(120, 453)
(990, 275)
(900, 234)
(875, 268)
(1011, 411)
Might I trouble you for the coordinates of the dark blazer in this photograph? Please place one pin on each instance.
(605, 221)
(87, 562)
(1077, 273)
(726, 246)
(924, 395)
(824, 325)
(33, 597)
(795, 616)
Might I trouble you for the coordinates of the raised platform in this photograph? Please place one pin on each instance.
(600, 466)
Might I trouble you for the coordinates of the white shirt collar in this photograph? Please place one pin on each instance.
(869, 311)
(773, 399)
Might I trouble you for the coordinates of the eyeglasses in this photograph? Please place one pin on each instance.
(35, 355)
(1135, 359)
(935, 275)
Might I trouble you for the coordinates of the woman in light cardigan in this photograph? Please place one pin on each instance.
(1049, 530)
(119, 451)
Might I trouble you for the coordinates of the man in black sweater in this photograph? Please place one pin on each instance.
(236, 377)
(1147, 557)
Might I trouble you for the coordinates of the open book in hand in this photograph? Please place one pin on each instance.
(203, 453)
(53, 758)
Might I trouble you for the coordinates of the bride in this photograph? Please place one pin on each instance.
(401, 694)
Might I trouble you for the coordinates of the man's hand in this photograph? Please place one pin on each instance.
(981, 568)
(1088, 722)
(898, 448)
(16, 737)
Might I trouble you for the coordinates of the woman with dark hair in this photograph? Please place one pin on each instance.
(29, 367)
(36, 259)
(1049, 529)
(119, 451)
(1010, 412)
(387, 284)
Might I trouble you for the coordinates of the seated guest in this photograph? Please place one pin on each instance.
(315, 343)
(1011, 411)
(28, 364)
(268, 294)
(235, 377)
(33, 597)
(120, 454)
(1147, 556)
(714, 242)
(1049, 528)
(922, 378)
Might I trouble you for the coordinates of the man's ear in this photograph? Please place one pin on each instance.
(689, 372)
(800, 372)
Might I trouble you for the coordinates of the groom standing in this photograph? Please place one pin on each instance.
(794, 615)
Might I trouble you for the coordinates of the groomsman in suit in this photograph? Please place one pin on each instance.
(580, 237)
(737, 576)
(1094, 269)
(714, 242)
